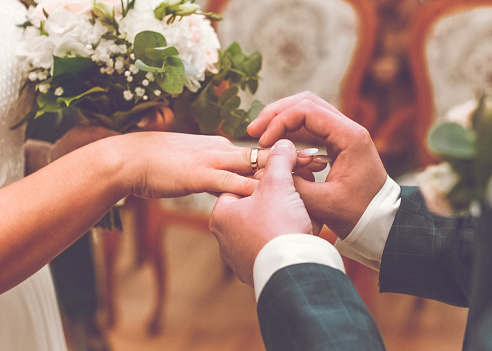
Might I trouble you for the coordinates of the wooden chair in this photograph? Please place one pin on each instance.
(451, 60)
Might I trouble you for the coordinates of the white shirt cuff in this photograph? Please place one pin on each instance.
(291, 249)
(365, 244)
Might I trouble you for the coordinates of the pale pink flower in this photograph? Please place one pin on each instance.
(435, 182)
(77, 7)
(462, 113)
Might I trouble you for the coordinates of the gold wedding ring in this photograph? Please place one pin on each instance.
(254, 159)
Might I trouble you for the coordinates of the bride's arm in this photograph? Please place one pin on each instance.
(45, 212)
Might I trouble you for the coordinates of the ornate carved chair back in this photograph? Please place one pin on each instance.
(451, 58)
(323, 46)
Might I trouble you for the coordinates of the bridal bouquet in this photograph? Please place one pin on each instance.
(462, 181)
(114, 60)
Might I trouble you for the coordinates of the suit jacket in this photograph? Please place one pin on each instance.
(427, 255)
(314, 307)
(308, 307)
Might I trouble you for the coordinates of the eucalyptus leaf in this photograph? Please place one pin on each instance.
(253, 85)
(146, 68)
(232, 91)
(255, 109)
(230, 105)
(171, 81)
(235, 126)
(452, 140)
(161, 53)
(252, 65)
(148, 40)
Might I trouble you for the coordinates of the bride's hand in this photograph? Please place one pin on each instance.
(357, 173)
(159, 164)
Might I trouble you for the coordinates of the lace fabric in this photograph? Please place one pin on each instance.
(11, 151)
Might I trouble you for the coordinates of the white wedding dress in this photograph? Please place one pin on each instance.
(29, 314)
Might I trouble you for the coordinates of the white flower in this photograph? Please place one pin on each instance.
(462, 113)
(76, 7)
(108, 9)
(35, 50)
(119, 64)
(127, 95)
(198, 45)
(71, 48)
(436, 182)
(43, 88)
(59, 91)
(150, 76)
(157, 92)
(139, 91)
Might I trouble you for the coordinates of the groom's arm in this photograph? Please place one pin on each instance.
(427, 255)
(416, 251)
(304, 305)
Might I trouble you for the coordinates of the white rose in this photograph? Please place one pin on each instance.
(435, 182)
(198, 46)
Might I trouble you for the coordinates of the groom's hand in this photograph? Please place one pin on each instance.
(357, 173)
(243, 226)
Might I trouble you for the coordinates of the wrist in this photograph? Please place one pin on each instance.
(115, 165)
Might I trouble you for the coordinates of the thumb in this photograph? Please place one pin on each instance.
(280, 163)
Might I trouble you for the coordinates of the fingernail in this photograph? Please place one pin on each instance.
(281, 143)
(321, 159)
(252, 123)
(308, 152)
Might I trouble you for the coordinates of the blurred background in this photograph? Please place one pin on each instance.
(394, 66)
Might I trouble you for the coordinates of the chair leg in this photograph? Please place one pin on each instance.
(111, 241)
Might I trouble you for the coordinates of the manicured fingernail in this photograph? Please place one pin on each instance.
(281, 143)
(307, 152)
(321, 159)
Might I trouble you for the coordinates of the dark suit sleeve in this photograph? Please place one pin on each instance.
(427, 255)
(307, 307)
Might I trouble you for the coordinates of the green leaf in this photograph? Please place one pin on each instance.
(484, 144)
(452, 140)
(253, 85)
(209, 120)
(161, 11)
(161, 53)
(146, 68)
(252, 65)
(255, 109)
(235, 126)
(171, 81)
(68, 100)
(232, 91)
(230, 105)
(70, 65)
(234, 49)
(148, 40)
